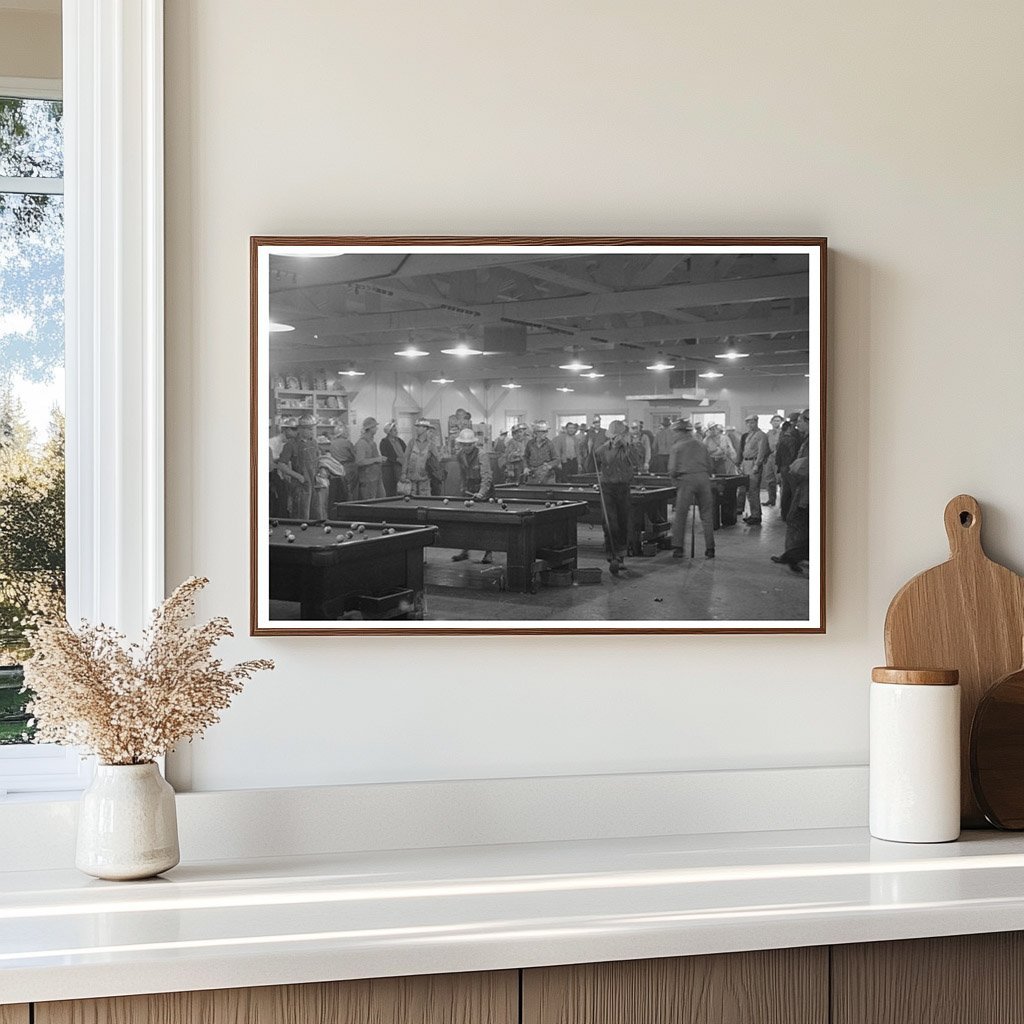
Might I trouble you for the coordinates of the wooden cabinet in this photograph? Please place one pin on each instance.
(963, 979)
(491, 998)
(779, 986)
(329, 408)
(972, 979)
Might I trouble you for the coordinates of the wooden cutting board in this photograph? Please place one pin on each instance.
(967, 614)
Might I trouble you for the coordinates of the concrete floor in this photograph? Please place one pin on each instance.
(740, 583)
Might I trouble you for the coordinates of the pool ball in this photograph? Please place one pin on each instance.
(349, 534)
(291, 538)
(491, 500)
(445, 502)
(360, 528)
(407, 498)
(271, 532)
(304, 526)
(327, 529)
(274, 522)
(468, 504)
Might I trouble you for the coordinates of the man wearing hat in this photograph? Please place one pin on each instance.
(723, 456)
(662, 448)
(617, 460)
(513, 458)
(771, 477)
(596, 436)
(369, 462)
(689, 465)
(392, 450)
(639, 437)
(343, 451)
(300, 459)
(278, 492)
(755, 454)
(565, 451)
(476, 477)
(540, 456)
(415, 467)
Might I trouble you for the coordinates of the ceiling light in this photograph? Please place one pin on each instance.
(412, 352)
(442, 380)
(278, 328)
(462, 349)
(731, 355)
(576, 365)
(351, 373)
(711, 374)
(592, 375)
(661, 365)
(511, 385)
(565, 391)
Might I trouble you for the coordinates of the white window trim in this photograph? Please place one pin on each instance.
(114, 326)
(32, 88)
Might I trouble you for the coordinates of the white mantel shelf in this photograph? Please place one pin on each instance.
(225, 924)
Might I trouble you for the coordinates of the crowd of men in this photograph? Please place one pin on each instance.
(309, 475)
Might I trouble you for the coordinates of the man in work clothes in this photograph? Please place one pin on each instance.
(755, 454)
(690, 467)
(798, 521)
(369, 462)
(513, 458)
(565, 452)
(664, 439)
(596, 437)
(301, 457)
(540, 456)
(477, 482)
(343, 488)
(771, 475)
(417, 455)
(617, 463)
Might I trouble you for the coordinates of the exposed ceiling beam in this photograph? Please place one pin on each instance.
(571, 281)
(670, 297)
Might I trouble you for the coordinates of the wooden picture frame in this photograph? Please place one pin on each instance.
(505, 310)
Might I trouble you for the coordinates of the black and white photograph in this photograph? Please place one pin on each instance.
(537, 435)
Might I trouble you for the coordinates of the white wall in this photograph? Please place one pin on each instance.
(894, 129)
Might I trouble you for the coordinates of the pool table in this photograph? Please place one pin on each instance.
(724, 488)
(520, 530)
(329, 574)
(647, 505)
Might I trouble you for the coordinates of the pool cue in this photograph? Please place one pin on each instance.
(693, 527)
(604, 507)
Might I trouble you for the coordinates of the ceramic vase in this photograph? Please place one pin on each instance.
(127, 825)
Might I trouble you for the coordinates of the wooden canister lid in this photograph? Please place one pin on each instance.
(916, 676)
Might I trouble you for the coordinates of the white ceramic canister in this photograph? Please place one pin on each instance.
(127, 824)
(915, 755)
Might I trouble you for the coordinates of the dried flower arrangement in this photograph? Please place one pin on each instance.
(128, 704)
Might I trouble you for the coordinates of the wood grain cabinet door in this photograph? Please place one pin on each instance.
(14, 1014)
(483, 998)
(779, 986)
(963, 979)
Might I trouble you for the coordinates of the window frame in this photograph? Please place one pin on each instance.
(112, 89)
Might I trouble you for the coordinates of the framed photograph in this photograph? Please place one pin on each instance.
(537, 435)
